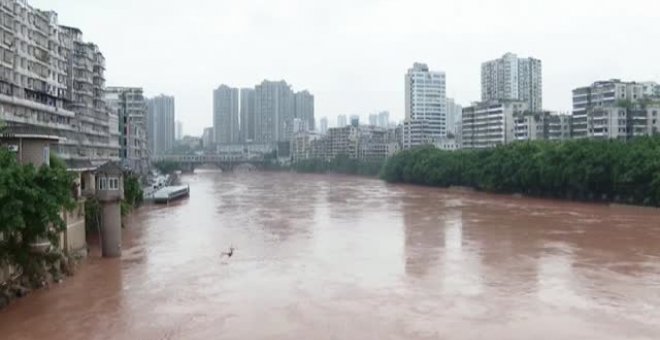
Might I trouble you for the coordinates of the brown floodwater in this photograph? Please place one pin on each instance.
(332, 257)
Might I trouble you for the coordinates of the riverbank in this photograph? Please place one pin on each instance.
(580, 170)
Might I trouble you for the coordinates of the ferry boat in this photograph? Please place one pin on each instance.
(167, 194)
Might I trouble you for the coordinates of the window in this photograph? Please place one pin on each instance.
(113, 183)
(103, 183)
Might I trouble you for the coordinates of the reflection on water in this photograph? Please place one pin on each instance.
(332, 257)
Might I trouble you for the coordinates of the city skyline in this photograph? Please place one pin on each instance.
(363, 84)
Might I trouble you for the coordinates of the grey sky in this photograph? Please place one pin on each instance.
(352, 54)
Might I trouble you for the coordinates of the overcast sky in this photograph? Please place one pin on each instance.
(352, 54)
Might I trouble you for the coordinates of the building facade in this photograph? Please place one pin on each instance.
(301, 145)
(454, 114)
(615, 109)
(513, 78)
(52, 81)
(487, 125)
(367, 143)
(355, 120)
(128, 106)
(324, 125)
(425, 110)
(304, 110)
(179, 130)
(342, 121)
(651, 89)
(373, 120)
(161, 130)
(248, 118)
(274, 112)
(542, 126)
(207, 138)
(384, 119)
(225, 115)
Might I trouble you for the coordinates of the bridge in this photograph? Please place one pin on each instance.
(226, 161)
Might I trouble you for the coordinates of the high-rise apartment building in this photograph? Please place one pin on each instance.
(207, 138)
(179, 130)
(51, 81)
(304, 110)
(129, 107)
(225, 115)
(513, 78)
(615, 109)
(384, 120)
(373, 119)
(324, 125)
(426, 112)
(355, 120)
(342, 121)
(274, 112)
(454, 114)
(248, 116)
(161, 124)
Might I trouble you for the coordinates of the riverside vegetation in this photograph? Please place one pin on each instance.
(31, 204)
(32, 201)
(594, 170)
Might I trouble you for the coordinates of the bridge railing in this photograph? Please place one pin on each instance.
(206, 158)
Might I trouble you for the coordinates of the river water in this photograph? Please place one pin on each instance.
(332, 257)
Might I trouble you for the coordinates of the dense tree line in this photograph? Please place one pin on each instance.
(341, 164)
(607, 170)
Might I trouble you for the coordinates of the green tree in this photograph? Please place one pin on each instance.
(133, 194)
(31, 205)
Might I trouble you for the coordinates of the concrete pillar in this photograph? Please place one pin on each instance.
(111, 229)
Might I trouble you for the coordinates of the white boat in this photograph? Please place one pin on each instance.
(167, 194)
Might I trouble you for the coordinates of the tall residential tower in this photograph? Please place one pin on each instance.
(274, 112)
(304, 110)
(247, 115)
(225, 115)
(161, 130)
(513, 78)
(426, 112)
